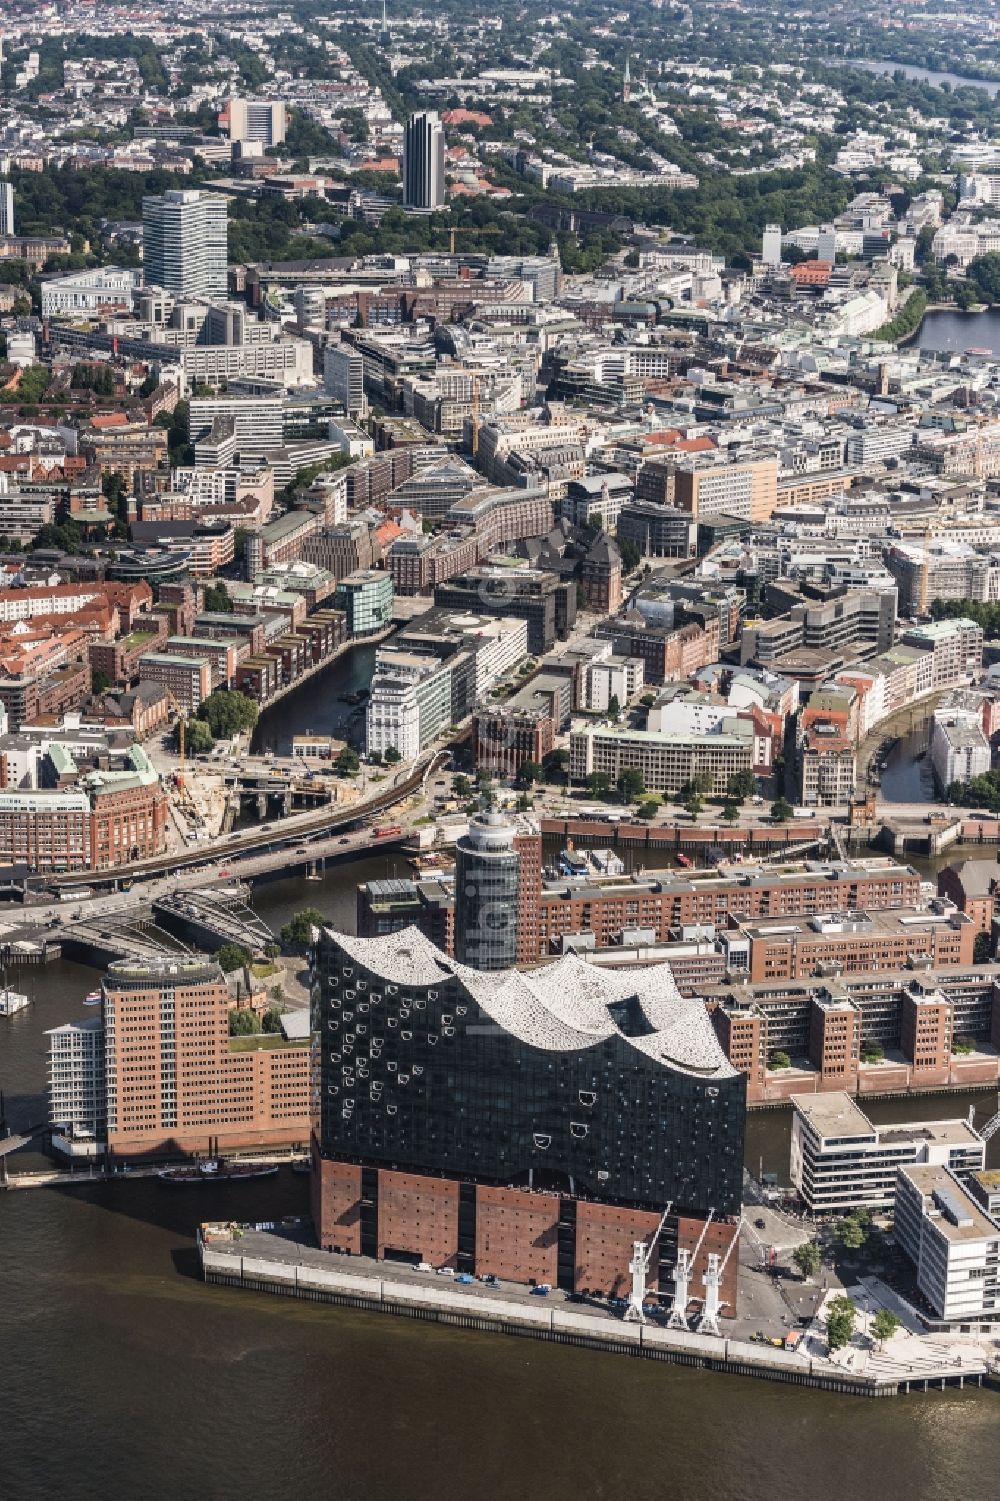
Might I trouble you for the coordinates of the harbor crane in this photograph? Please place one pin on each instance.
(682, 1274)
(708, 1323)
(642, 1255)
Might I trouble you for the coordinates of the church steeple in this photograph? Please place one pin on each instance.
(384, 33)
(627, 81)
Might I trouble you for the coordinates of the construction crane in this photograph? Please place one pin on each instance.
(468, 229)
(642, 1255)
(682, 1274)
(708, 1323)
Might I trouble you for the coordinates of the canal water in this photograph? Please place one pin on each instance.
(318, 707)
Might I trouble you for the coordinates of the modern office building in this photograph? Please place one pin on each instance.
(841, 1161)
(184, 242)
(366, 598)
(343, 377)
(771, 246)
(529, 1124)
(6, 208)
(257, 120)
(423, 162)
(953, 1243)
(498, 873)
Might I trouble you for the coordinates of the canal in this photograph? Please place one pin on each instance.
(318, 707)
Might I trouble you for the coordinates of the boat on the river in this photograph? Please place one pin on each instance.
(216, 1172)
(13, 1001)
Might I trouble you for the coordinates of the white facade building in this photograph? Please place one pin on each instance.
(953, 1243)
(841, 1161)
(76, 1075)
(184, 242)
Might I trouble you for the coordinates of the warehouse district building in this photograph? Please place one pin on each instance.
(527, 1124)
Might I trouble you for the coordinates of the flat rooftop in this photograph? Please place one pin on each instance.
(838, 1115)
(834, 1114)
(893, 922)
(948, 1197)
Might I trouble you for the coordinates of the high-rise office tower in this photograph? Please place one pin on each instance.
(771, 252)
(826, 244)
(497, 883)
(423, 162)
(184, 240)
(6, 208)
(257, 120)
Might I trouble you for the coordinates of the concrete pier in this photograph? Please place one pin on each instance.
(280, 1260)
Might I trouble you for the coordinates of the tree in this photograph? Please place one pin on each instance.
(984, 270)
(392, 755)
(648, 808)
(528, 773)
(614, 707)
(297, 932)
(272, 1020)
(198, 738)
(216, 598)
(731, 813)
(693, 806)
(807, 1258)
(963, 1046)
(631, 785)
(779, 1059)
(852, 1232)
(598, 784)
(233, 956)
(228, 712)
(348, 762)
(630, 554)
(741, 785)
(840, 1316)
(461, 786)
(242, 1021)
(782, 810)
(556, 766)
(884, 1325)
(99, 681)
(982, 951)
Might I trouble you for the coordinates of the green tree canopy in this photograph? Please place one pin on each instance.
(840, 1318)
(233, 956)
(807, 1258)
(884, 1324)
(228, 712)
(297, 932)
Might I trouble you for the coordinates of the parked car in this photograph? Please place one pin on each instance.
(424, 1266)
(446, 1271)
(490, 1280)
(541, 1290)
(465, 1279)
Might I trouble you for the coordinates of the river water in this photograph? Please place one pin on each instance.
(124, 1376)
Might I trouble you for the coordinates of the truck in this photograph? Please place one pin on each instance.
(386, 830)
(803, 812)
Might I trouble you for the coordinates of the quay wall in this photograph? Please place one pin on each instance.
(496, 1315)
